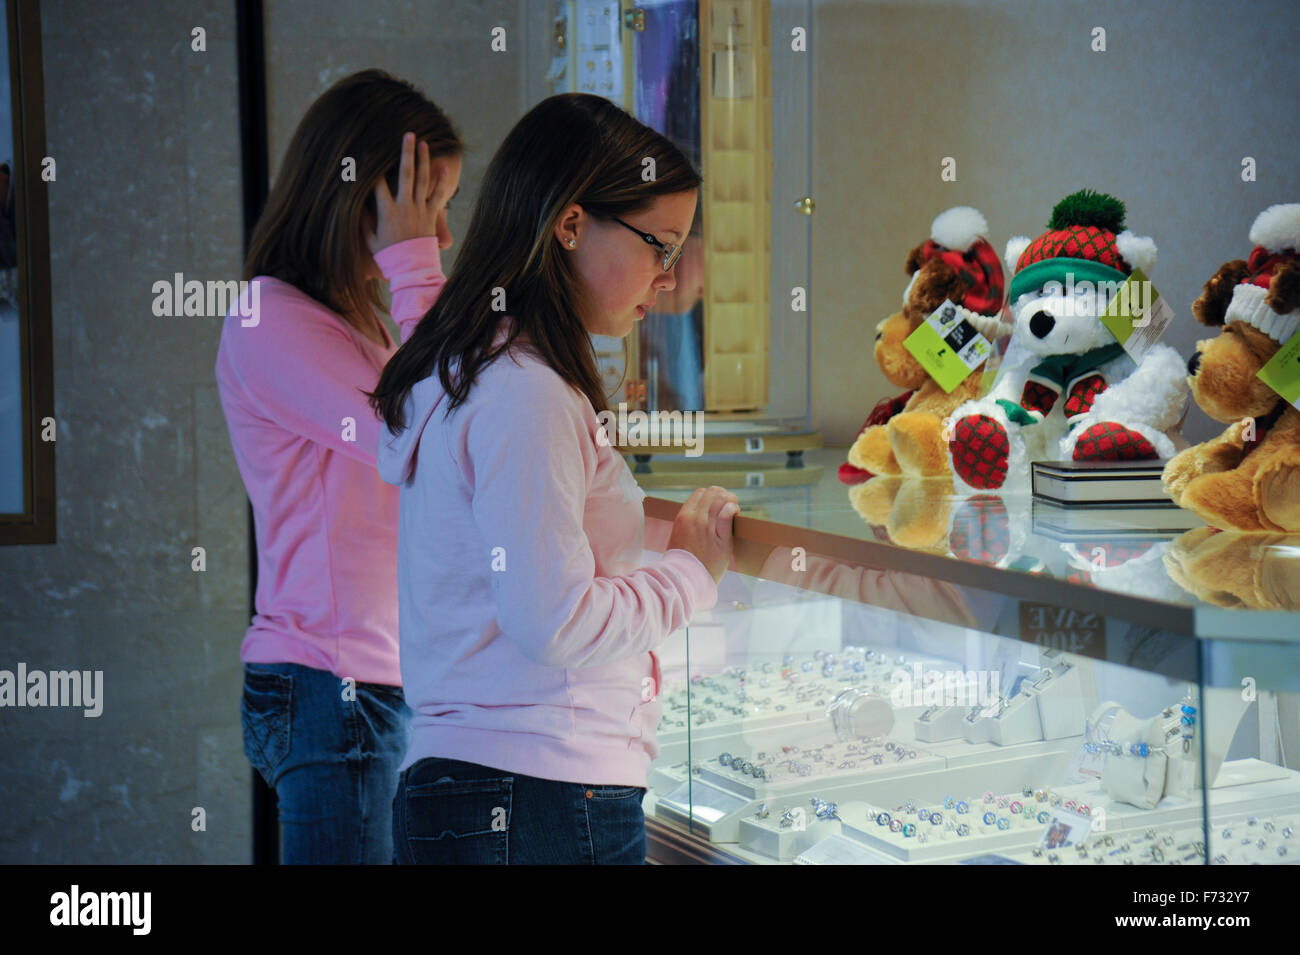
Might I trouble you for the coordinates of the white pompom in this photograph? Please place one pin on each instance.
(1139, 251)
(958, 228)
(1016, 246)
(1278, 228)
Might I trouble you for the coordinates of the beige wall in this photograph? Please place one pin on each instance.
(443, 48)
(1014, 93)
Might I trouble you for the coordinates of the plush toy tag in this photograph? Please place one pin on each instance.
(1282, 373)
(1137, 316)
(948, 347)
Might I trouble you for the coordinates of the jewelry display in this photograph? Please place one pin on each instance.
(784, 765)
(1144, 759)
(823, 809)
(856, 713)
(1180, 845)
(800, 754)
(799, 684)
(1047, 707)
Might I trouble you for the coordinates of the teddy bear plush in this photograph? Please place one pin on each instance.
(885, 409)
(1067, 390)
(1248, 478)
(955, 264)
(912, 512)
(1236, 569)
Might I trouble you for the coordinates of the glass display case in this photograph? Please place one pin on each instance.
(895, 673)
(849, 700)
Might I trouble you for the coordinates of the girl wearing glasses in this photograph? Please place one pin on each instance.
(356, 203)
(528, 619)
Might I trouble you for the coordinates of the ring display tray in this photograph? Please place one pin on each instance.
(724, 799)
(1260, 796)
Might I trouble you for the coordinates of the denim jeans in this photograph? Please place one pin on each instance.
(449, 812)
(331, 761)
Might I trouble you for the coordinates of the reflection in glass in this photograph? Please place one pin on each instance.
(667, 98)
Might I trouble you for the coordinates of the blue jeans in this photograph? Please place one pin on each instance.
(331, 761)
(449, 812)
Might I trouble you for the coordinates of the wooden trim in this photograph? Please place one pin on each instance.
(735, 444)
(876, 555)
(666, 845)
(37, 523)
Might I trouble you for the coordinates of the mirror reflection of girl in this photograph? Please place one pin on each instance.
(360, 199)
(529, 618)
(672, 338)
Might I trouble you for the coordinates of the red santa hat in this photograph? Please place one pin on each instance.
(1276, 234)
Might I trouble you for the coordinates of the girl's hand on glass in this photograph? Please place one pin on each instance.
(703, 527)
(414, 211)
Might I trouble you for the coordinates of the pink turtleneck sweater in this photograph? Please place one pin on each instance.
(305, 441)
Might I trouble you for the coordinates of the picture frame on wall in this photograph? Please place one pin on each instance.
(27, 421)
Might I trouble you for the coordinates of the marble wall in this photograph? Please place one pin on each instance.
(144, 131)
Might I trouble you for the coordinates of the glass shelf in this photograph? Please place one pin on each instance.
(842, 677)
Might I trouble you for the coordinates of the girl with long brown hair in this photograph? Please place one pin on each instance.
(529, 619)
(361, 199)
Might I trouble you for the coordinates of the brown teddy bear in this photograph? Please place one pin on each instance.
(911, 512)
(956, 264)
(1235, 569)
(1248, 478)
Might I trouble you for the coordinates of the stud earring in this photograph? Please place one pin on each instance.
(572, 243)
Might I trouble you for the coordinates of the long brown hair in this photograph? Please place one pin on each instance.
(569, 148)
(310, 234)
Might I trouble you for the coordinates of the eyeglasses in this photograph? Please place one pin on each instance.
(671, 253)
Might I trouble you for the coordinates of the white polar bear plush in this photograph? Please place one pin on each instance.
(1067, 390)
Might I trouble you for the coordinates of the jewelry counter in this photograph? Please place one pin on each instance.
(1095, 698)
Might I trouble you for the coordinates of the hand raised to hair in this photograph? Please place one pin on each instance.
(413, 212)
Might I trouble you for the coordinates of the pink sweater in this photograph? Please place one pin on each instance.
(305, 440)
(528, 621)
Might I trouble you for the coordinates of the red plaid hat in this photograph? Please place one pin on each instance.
(1276, 234)
(957, 238)
(1086, 238)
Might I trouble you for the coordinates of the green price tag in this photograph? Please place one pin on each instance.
(948, 347)
(1282, 373)
(1137, 316)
